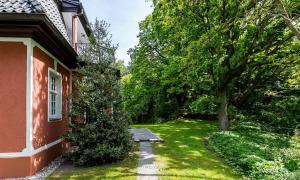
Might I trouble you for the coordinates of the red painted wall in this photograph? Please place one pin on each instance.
(45, 132)
(13, 72)
(28, 166)
(13, 60)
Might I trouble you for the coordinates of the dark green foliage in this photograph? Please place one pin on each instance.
(258, 154)
(98, 135)
(274, 113)
(282, 114)
(191, 49)
(204, 104)
(145, 103)
(205, 57)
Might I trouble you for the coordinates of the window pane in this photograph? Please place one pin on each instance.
(53, 83)
(52, 107)
(53, 97)
(54, 103)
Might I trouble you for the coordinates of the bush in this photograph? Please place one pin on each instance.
(291, 156)
(280, 115)
(104, 140)
(99, 128)
(257, 154)
(204, 104)
(271, 170)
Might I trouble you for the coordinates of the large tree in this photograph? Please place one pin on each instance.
(196, 47)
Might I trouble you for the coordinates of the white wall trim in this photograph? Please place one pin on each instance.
(31, 153)
(29, 149)
(29, 97)
(29, 87)
(14, 39)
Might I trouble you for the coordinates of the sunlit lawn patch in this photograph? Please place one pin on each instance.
(184, 154)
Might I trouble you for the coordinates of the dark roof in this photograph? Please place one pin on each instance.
(43, 31)
(40, 20)
(20, 6)
(47, 7)
(70, 5)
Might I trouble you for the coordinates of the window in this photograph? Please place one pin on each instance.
(55, 96)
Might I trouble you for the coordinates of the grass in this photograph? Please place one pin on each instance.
(184, 154)
(121, 170)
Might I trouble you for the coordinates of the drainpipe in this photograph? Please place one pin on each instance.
(75, 32)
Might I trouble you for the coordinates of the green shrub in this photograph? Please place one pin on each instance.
(104, 140)
(99, 127)
(291, 158)
(246, 126)
(258, 154)
(292, 164)
(280, 115)
(269, 170)
(204, 104)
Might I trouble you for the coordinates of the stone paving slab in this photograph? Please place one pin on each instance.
(147, 170)
(144, 134)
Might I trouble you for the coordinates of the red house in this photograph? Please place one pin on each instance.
(39, 42)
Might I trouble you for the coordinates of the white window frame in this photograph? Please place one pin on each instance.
(58, 101)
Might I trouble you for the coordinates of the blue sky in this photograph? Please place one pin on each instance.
(123, 16)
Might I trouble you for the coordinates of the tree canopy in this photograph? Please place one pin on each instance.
(224, 51)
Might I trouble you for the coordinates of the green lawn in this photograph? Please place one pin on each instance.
(184, 154)
(122, 170)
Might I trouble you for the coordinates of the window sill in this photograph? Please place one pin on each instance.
(55, 119)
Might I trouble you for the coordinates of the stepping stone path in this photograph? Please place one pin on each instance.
(147, 170)
(144, 134)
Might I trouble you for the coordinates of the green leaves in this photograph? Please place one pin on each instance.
(99, 127)
(189, 49)
(257, 154)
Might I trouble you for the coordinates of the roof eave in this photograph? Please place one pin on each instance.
(40, 28)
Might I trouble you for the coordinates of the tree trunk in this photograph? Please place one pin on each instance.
(222, 110)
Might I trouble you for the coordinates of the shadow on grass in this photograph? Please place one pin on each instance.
(184, 153)
(125, 169)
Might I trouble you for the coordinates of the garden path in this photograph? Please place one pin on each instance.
(147, 169)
